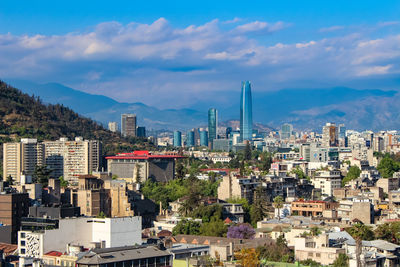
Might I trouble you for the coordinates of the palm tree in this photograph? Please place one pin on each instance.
(315, 231)
(278, 203)
(360, 232)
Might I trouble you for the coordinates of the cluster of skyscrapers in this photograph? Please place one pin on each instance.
(211, 138)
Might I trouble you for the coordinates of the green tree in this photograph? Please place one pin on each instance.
(180, 170)
(353, 173)
(360, 232)
(187, 227)
(315, 231)
(41, 174)
(215, 227)
(242, 168)
(278, 203)
(10, 180)
(387, 166)
(389, 232)
(63, 183)
(247, 151)
(341, 261)
(257, 209)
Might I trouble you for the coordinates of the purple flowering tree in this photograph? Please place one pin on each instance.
(242, 231)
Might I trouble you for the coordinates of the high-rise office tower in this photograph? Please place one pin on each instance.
(177, 138)
(190, 139)
(330, 136)
(212, 124)
(113, 126)
(246, 112)
(286, 131)
(128, 125)
(141, 131)
(203, 138)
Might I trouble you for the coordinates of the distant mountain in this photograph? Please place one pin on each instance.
(104, 109)
(305, 108)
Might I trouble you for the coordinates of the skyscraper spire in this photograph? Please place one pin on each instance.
(246, 112)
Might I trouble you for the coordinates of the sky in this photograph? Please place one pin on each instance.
(174, 54)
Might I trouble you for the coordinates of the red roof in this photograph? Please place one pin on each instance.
(8, 248)
(53, 253)
(144, 154)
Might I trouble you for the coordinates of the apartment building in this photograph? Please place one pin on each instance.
(237, 187)
(314, 208)
(316, 248)
(327, 181)
(21, 158)
(357, 208)
(65, 158)
(72, 158)
(13, 207)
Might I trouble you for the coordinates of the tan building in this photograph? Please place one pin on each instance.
(316, 249)
(388, 184)
(118, 191)
(236, 187)
(313, 208)
(91, 197)
(327, 181)
(72, 158)
(95, 195)
(22, 158)
(356, 208)
(128, 125)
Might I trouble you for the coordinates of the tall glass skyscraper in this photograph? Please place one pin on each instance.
(212, 124)
(190, 139)
(246, 112)
(177, 138)
(203, 138)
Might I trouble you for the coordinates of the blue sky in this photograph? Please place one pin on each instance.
(159, 51)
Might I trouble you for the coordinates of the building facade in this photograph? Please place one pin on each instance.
(177, 139)
(212, 125)
(246, 112)
(113, 126)
(128, 125)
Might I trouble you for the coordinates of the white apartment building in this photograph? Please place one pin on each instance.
(83, 231)
(21, 158)
(65, 158)
(327, 181)
(72, 158)
(113, 126)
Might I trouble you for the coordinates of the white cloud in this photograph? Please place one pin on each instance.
(332, 28)
(136, 62)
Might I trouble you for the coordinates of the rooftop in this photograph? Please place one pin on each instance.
(117, 254)
(145, 155)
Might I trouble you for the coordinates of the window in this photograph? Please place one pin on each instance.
(22, 251)
(22, 243)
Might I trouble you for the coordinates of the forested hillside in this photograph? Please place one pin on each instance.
(22, 116)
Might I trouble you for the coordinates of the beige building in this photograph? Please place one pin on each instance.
(316, 248)
(95, 195)
(72, 158)
(21, 158)
(236, 187)
(356, 208)
(327, 181)
(388, 184)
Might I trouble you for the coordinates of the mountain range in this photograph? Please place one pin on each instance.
(305, 108)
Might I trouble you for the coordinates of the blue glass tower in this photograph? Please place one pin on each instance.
(190, 139)
(203, 138)
(246, 112)
(177, 138)
(212, 124)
